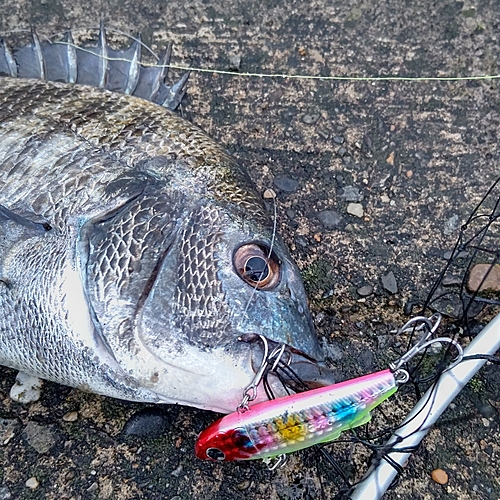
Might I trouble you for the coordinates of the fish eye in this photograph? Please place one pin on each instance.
(215, 454)
(255, 266)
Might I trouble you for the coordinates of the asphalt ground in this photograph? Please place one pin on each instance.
(419, 153)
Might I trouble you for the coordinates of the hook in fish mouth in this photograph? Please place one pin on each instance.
(293, 369)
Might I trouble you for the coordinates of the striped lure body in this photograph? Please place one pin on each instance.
(295, 422)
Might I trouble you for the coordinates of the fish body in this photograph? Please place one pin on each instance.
(295, 422)
(134, 251)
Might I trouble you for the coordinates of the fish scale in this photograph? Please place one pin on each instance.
(120, 223)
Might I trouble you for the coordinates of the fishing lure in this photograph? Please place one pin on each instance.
(298, 421)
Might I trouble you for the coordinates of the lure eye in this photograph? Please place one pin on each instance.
(255, 266)
(215, 454)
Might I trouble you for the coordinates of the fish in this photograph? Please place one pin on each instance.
(295, 422)
(135, 253)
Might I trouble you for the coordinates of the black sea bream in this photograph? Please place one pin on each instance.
(134, 251)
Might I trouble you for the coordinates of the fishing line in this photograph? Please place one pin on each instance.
(473, 242)
(260, 75)
(271, 246)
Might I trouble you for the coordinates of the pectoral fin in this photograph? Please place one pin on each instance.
(39, 227)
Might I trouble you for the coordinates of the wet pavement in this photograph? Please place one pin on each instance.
(374, 179)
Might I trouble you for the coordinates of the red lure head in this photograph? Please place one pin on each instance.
(219, 443)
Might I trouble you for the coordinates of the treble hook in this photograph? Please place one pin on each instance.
(432, 323)
(250, 391)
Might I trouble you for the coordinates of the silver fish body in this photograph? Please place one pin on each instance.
(128, 241)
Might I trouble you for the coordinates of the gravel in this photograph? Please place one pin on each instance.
(389, 282)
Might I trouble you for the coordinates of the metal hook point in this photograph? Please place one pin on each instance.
(269, 363)
(430, 325)
(250, 391)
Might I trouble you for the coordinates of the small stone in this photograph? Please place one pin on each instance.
(5, 494)
(300, 240)
(451, 281)
(69, 476)
(390, 158)
(451, 225)
(459, 255)
(269, 194)
(149, 423)
(331, 350)
(8, 427)
(275, 96)
(286, 184)
(39, 437)
(484, 277)
(177, 471)
(439, 476)
(338, 139)
(342, 151)
(408, 308)
(32, 483)
(365, 291)
(366, 360)
(389, 283)
(234, 62)
(310, 119)
(244, 485)
(26, 388)
(93, 487)
(487, 411)
(380, 180)
(318, 319)
(486, 422)
(384, 198)
(330, 219)
(435, 349)
(323, 133)
(355, 209)
(71, 416)
(409, 173)
(352, 193)
(367, 143)
(384, 341)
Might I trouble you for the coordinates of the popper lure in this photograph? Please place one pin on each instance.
(298, 421)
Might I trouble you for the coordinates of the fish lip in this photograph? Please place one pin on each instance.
(311, 373)
(298, 371)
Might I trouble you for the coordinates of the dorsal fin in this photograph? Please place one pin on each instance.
(8, 65)
(98, 66)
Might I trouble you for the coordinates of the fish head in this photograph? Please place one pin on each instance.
(226, 282)
(179, 282)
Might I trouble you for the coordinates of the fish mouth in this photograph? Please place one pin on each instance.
(286, 369)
